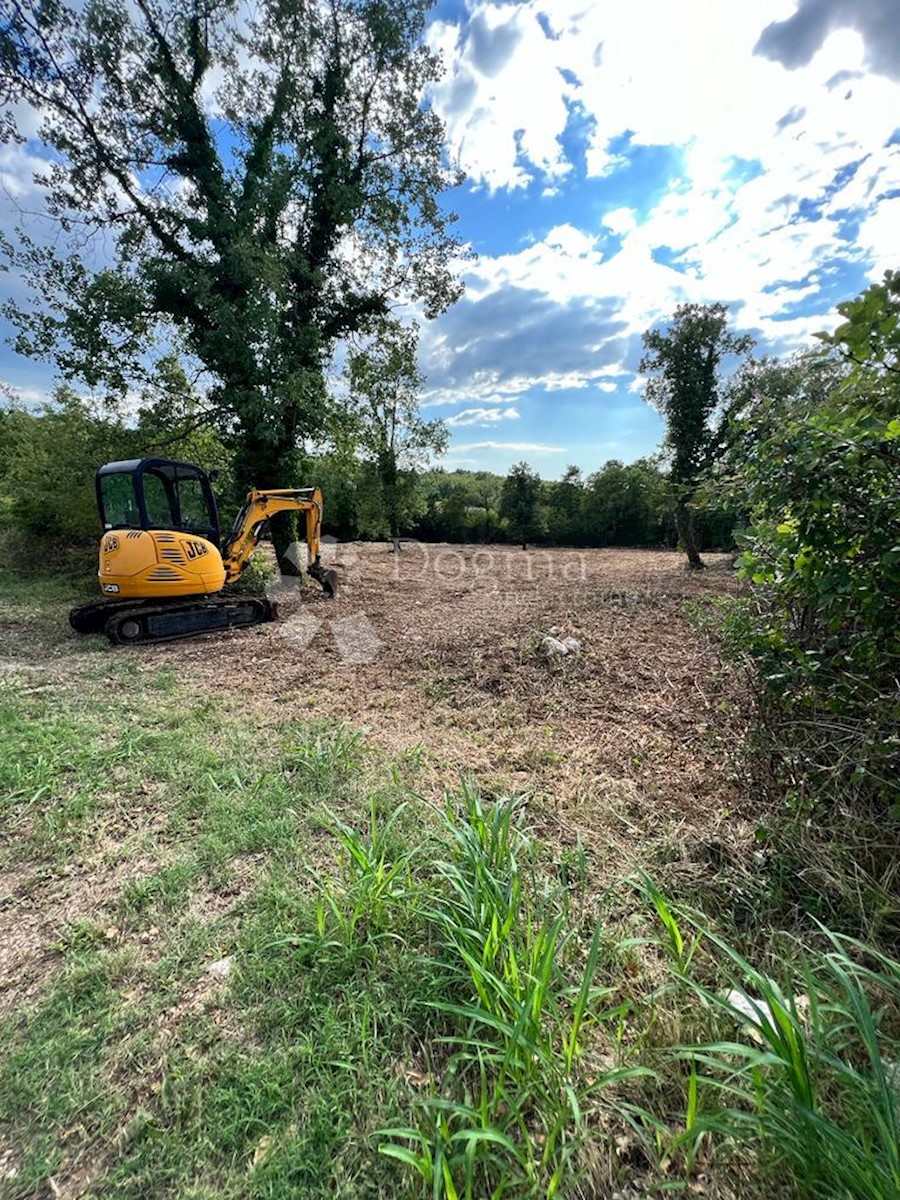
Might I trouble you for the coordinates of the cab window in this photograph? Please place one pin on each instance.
(158, 501)
(195, 515)
(119, 502)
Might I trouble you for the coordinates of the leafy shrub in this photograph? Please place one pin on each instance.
(820, 476)
(48, 465)
(257, 576)
(49, 459)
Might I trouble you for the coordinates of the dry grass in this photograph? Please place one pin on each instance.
(623, 743)
(629, 738)
(625, 746)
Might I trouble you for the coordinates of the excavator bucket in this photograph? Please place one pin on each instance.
(329, 583)
(327, 578)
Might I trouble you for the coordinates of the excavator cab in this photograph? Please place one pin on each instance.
(157, 493)
(164, 567)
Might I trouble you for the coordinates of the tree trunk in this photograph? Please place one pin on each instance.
(289, 549)
(389, 494)
(261, 464)
(687, 535)
(395, 530)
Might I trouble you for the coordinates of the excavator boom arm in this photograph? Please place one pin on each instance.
(257, 509)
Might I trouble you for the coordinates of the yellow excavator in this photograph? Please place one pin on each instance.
(162, 565)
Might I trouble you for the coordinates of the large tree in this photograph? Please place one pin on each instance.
(519, 503)
(683, 363)
(265, 180)
(385, 382)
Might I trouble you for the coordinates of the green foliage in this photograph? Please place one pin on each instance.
(258, 574)
(235, 239)
(626, 506)
(48, 460)
(49, 495)
(818, 469)
(870, 336)
(460, 506)
(825, 498)
(519, 503)
(385, 381)
(48, 463)
(683, 366)
(619, 505)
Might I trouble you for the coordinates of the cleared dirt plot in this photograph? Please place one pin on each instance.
(442, 648)
(615, 742)
(172, 812)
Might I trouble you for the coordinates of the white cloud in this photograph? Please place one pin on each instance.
(494, 126)
(515, 447)
(18, 165)
(483, 416)
(28, 397)
(757, 151)
(620, 220)
(477, 386)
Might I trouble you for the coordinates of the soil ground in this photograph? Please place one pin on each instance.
(442, 647)
(439, 650)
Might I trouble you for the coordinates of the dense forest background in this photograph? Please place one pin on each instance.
(48, 459)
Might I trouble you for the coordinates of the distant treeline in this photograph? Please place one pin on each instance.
(48, 460)
(619, 505)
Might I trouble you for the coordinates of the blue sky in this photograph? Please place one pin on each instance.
(625, 157)
(621, 158)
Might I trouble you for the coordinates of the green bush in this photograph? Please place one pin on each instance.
(259, 573)
(48, 461)
(820, 476)
(47, 468)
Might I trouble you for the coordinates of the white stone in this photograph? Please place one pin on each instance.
(554, 647)
(753, 1009)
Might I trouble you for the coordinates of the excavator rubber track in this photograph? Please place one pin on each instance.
(90, 618)
(132, 623)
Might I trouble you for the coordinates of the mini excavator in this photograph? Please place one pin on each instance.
(163, 569)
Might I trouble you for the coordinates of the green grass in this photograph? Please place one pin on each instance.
(35, 590)
(516, 990)
(55, 1074)
(422, 1001)
(387, 961)
(800, 1069)
(133, 771)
